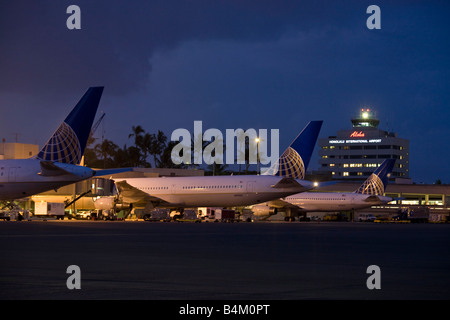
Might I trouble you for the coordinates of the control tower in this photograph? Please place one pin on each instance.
(353, 154)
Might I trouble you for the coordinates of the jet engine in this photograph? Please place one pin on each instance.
(263, 210)
(104, 203)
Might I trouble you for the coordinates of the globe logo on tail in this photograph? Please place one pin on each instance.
(63, 146)
(290, 164)
(373, 186)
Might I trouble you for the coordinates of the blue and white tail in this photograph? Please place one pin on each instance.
(69, 141)
(295, 159)
(377, 182)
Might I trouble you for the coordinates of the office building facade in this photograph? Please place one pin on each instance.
(355, 153)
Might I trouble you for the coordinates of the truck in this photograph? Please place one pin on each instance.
(419, 214)
(14, 214)
(5, 215)
(366, 217)
(413, 214)
(224, 215)
(158, 214)
(189, 215)
(49, 209)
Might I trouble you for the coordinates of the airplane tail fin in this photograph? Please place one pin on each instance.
(68, 142)
(377, 182)
(295, 159)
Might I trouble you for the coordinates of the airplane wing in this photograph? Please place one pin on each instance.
(133, 195)
(108, 172)
(50, 168)
(281, 204)
(380, 199)
(287, 182)
(372, 198)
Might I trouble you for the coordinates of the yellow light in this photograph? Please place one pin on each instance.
(365, 115)
(256, 139)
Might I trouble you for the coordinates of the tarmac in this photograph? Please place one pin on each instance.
(223, 261)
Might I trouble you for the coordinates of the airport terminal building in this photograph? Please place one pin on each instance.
(10, 150)
(355, 153)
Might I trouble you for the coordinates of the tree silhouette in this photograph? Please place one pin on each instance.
(108, 155)
(157, 146)
(107, 150)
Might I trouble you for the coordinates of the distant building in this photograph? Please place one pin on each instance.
(357, 152)
(17, 150)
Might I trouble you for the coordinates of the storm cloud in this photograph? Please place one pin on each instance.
(231, 63)
(118, 37)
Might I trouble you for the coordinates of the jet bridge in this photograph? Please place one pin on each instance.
(79, 195)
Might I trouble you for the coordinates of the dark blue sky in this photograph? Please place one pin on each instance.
(232, 64)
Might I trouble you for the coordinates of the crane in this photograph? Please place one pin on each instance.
(95, 126)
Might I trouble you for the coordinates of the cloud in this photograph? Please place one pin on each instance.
(308, 59)
(118, 37)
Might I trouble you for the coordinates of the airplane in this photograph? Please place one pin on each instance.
(227, 191)
(370, 193)
(56, 164)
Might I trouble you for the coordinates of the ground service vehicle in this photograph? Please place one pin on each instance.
(49, 209)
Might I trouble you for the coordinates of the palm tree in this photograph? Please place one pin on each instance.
(133, 156)
(146, 147)
(217, 168)
(157, 146)
(106, 150)
(143, 143)
(137, 130)
(165, 160)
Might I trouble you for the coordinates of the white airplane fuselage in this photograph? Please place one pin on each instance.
(334, 201)
(21, 178)
(216, 191)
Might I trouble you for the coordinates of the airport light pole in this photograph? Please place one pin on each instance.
(257, 155)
